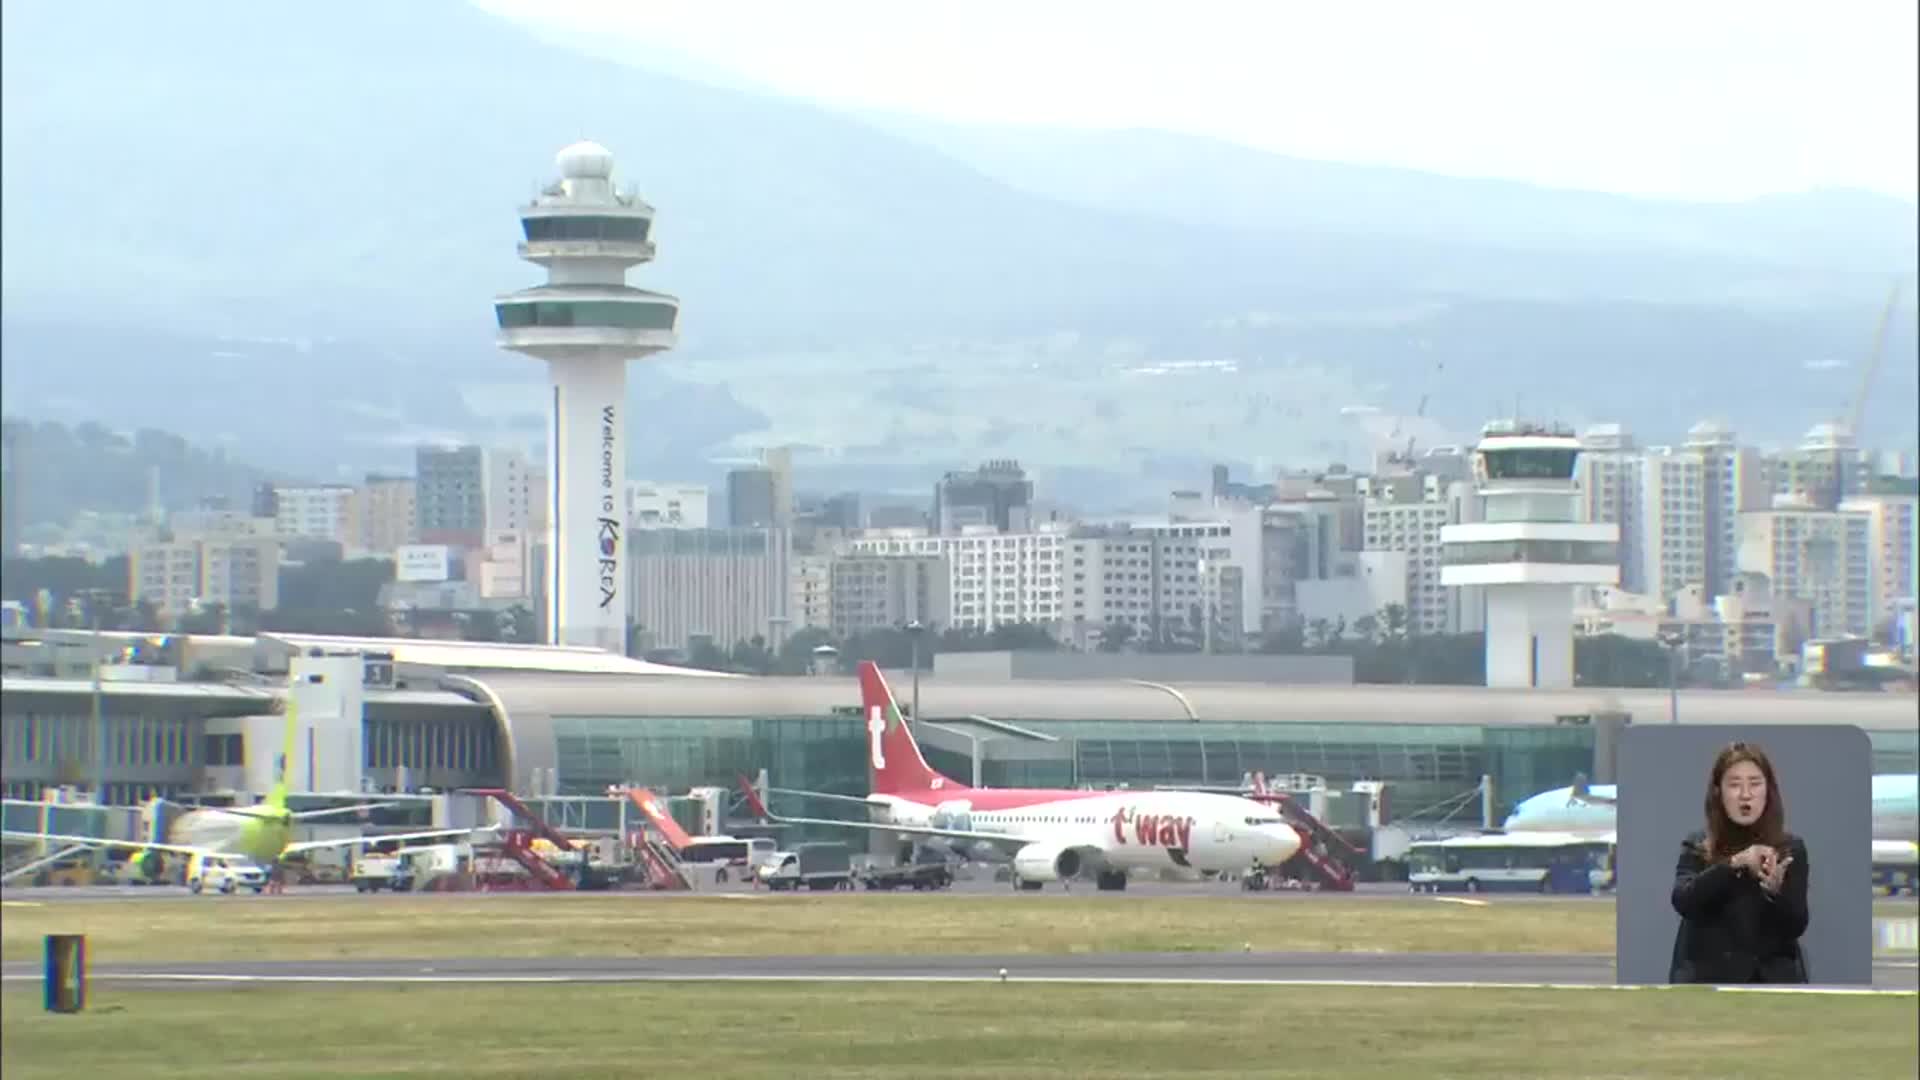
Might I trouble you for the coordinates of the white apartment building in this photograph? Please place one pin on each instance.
(879, 592)
(730, 585)
(1891, 542)
(515, 491)
(1735, 479)
(652, 505)
(1821, 557)
(1161, 578)
(1610, 474)
(994, 577)
(235, 571)
(1405, 514)
(1824, 469)
(1674, 532)
(812, 601)
(387, 514)
(329, 512)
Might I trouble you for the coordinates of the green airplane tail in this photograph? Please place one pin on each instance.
(277, 797)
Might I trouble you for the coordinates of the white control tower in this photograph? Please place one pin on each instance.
(1529, 552)
(586, 323)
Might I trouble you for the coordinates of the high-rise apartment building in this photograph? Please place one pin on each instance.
(386, 514)
(994, 578)
(513, 490)
(997, 495)
(1735, 481)
(879, 592)
(1821, 557)
(329, 512)
(1675, 534)
(450, 495)
(1611, 472)
(729, 585)
(1890, 541)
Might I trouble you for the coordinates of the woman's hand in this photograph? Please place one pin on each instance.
(1755, 860)
(1775, 874)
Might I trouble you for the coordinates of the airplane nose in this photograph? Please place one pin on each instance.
(1283, 844)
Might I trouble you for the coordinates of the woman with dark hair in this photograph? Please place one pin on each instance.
(1741, 885)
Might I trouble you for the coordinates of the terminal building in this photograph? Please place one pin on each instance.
(194, 717)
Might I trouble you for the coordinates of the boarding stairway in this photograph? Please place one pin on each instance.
(1327, 853)
(32, 861)
(517, 844)
(665, 871)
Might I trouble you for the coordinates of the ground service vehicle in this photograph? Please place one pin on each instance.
(919, 877)
(1511, 862)
(224, 874)
(812, 866)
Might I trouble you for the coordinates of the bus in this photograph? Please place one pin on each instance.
(1512, 862)
(729, 851)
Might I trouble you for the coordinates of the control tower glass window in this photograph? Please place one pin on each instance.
(1566, 552)
(629, 230)
(608, 313)
(1531, 464)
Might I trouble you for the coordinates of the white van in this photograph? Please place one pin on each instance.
(224, 874)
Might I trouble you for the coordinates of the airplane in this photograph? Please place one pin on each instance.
(260, 834)
(1589, 809)
(1049, 835)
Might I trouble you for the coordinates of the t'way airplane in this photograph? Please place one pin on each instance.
(261, 834)
(1051, 835)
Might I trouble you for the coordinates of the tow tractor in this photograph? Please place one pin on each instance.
(920, 877)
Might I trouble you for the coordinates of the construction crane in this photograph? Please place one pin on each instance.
(1404, 456)
(1847, 427)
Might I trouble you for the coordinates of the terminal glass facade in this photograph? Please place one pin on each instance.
(672, 754)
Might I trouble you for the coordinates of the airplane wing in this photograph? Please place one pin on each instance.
(1012, 843)
(99, 841)
(828, 796)
(380, 838)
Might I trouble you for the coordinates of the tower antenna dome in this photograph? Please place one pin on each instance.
(585, 160)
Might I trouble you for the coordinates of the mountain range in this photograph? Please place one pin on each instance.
(278, 229)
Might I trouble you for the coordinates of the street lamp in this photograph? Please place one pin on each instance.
(915, 630)
(1673, 639)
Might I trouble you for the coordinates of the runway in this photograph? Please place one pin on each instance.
(1517, 970)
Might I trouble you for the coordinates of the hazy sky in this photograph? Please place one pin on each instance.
(1694, 98)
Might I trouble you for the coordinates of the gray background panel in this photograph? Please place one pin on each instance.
(1826, 778)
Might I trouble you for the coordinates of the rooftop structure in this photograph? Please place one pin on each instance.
(586, 323)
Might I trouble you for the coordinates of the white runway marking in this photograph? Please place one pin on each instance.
(1071, 980)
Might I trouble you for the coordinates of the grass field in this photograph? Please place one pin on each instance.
(350, 927)
(942, 1031)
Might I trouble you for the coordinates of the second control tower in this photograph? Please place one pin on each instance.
(1529, 552)
(586, 323)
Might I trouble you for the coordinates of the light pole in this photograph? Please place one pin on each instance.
(1673, 639)
(914, 631)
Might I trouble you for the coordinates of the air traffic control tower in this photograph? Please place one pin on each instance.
(1529, 552)
(586, 323)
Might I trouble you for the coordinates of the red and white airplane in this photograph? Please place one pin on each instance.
(1050, 835)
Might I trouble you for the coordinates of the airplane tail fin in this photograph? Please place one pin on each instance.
(894, 761)
(283, 765)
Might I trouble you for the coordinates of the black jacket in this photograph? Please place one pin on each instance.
(1731, 930)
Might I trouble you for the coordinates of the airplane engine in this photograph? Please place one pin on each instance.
(1046, 862)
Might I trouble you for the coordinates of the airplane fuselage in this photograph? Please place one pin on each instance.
(258, 838)
(1129, 830)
